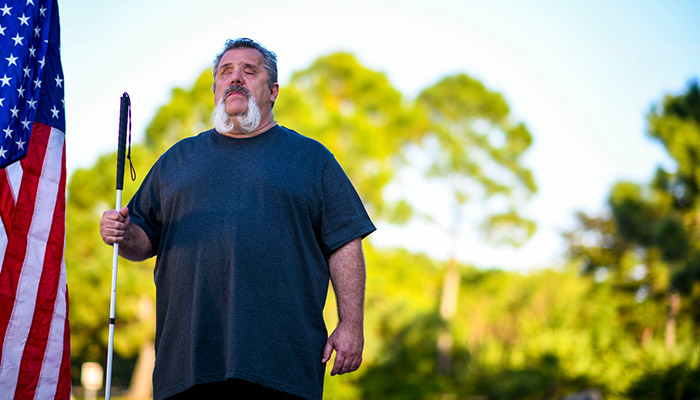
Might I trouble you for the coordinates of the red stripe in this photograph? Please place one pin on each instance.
(35, 347)
(17, 235)
(63, 389)
(7, 201)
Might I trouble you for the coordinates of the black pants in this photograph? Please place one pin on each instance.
(237, 389)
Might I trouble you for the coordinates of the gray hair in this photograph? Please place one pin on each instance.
(270, 57)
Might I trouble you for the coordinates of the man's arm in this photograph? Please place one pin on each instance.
(347, 270)
(116, 227)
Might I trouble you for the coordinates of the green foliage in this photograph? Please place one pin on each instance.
(671, 237)
(538, 336)
(645, 249)
(476, 149)
(509, 228)
(684, 279)
(648, 243)
(676, 124)
(679, 381)
(633, 215)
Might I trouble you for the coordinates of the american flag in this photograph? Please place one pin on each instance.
(34, 332)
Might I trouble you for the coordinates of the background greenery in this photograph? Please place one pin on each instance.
(620, 316)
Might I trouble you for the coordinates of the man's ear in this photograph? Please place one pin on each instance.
(274, 92)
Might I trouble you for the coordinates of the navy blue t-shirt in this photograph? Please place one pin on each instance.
(242, 230)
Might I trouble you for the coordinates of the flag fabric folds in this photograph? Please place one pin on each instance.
(34, 330)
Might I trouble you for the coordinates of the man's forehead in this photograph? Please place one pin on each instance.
(242, 55)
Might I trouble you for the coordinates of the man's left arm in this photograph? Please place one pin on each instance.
(347, 270)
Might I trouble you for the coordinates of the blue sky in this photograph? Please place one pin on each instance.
(582, 75)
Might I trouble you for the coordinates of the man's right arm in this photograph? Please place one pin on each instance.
(115, 227)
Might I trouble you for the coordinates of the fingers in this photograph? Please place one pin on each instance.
(357, 361)
(114, 215)
(343, 365)
(338, 365)
(113, 225)
(345, 359)
(327, 352)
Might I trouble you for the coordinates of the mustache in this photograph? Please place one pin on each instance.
(236, 88)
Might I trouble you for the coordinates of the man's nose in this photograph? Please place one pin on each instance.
(236, 77)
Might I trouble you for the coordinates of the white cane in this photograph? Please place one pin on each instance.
(121, 151)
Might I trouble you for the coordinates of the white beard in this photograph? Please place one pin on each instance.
(247, 123)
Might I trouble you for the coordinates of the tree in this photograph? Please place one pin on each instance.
(476, 149)
(652, 230)
(676, 124)
(630, 247)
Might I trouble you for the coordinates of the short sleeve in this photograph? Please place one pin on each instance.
(145, 207)
(343, 217)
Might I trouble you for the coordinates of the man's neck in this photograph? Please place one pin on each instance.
(262, 128)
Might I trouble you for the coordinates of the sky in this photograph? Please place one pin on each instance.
(581, 75)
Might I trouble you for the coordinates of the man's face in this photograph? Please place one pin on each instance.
(244, 67)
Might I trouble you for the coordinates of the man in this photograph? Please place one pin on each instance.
(248, 221)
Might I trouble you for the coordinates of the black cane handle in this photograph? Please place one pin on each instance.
(121, 150)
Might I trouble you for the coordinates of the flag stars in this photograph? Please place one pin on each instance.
(12, 60)
(42, 62)
(2, 30)
(6, 10)
(20, 91)
(42, 11)
(8, 132)
(59, 81)
(23, 20)
(3, 152)
(37, 83)
(1, 100)
(54, 112)
(32, 51)
(37, 31)
(26, 71)
(26, 123)
(18, 39)
(30, 2)
(15, 112)
(5, 80)
(20, 144)
(32, 104)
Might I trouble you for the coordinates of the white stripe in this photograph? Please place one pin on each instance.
(27, 287)
(14, 176)
(51, 367)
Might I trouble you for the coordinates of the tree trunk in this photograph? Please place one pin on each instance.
(647, 335)
(141, 386)
(448, 308)
(674, 303)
